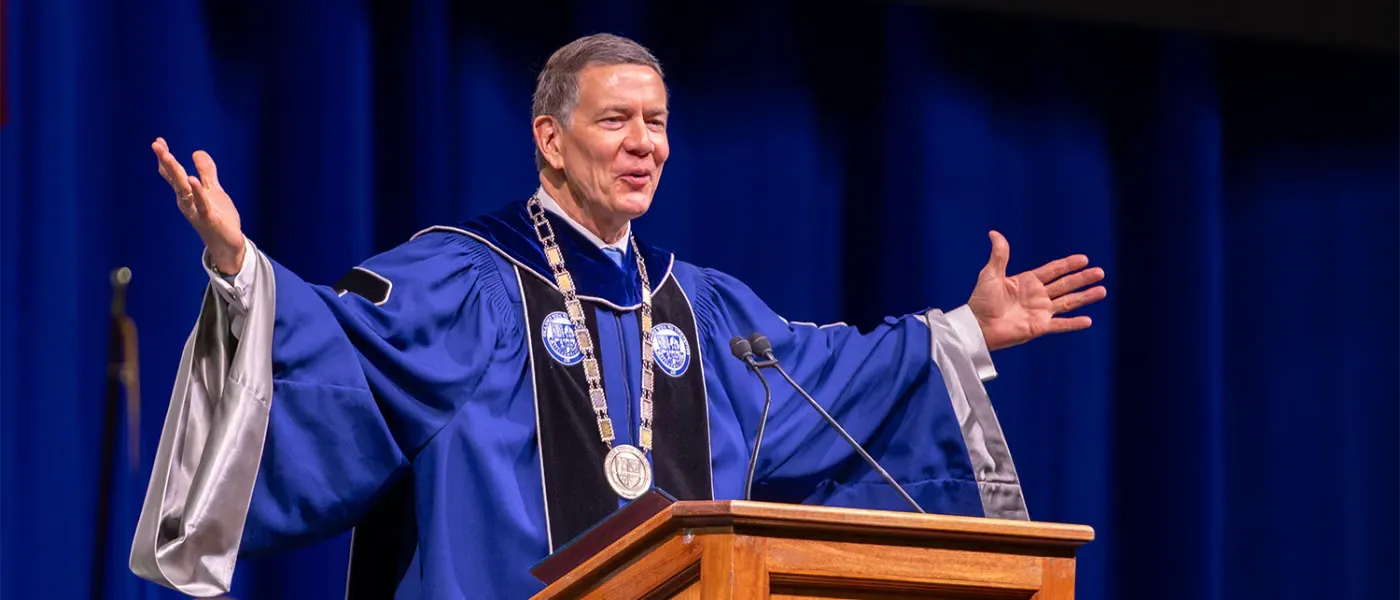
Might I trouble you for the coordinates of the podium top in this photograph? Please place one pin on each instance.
(908, 526)
(771, 520)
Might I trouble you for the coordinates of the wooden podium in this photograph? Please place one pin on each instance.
(735, 549)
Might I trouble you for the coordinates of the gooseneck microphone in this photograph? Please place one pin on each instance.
(744, 352)
(762, 347)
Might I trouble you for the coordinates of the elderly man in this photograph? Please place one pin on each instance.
(474, 398)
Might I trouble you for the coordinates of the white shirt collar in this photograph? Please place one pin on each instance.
(551, 205)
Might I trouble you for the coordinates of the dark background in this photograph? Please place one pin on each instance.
(1361, 24)
(1227, 426)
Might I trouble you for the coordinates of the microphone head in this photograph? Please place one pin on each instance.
(740, 347)
(761, 345)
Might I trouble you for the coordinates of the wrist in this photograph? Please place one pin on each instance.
(989, 334)
(227, 263)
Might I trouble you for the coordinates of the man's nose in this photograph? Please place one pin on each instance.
(638, 139)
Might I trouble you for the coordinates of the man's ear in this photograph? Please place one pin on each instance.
(547, 140)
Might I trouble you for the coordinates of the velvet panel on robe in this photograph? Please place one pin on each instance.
(411, 406)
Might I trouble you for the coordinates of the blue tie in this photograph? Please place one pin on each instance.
(614, 254)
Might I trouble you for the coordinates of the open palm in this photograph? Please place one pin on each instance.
(1014, 310)
(205, 204)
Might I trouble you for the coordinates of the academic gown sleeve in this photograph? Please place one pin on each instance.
(286, 433)
(910, 391)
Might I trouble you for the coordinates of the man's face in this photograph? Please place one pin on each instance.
(615, 144)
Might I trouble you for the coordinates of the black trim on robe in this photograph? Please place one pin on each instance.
(384, 544)
(577, 494)
(681, 416)
(576, 491)
(366, 284)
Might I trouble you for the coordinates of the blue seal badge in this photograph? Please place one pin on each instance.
(670, 349)
(557, 331)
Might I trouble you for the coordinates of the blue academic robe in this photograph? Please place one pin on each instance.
(402, 402)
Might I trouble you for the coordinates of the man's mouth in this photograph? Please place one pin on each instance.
(637, 178)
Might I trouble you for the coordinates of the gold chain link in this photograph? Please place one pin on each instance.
(592, 373)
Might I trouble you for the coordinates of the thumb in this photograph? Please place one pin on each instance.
(1001, 254)
(204, 164)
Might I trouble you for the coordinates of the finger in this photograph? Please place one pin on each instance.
(186, 203)
(1067, 303)
(1054, 269)
(198, 197)
(169, 177)
(1001, 254)
(205, 165)
(184, 196)
(1074, 281)
(175, 174)
(1071, 324)
(159, 148)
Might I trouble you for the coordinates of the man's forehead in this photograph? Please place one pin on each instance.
(608, 83)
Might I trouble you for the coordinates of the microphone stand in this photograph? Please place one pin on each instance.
(762, 422)
(121, 375)
(744, 351)
(758, 439)
(766, 350)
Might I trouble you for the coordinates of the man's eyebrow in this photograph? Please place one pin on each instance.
(624, 109)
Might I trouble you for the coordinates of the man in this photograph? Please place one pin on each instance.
(474, 398)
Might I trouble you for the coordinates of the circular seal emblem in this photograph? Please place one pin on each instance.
(628, 472)
(557, 331)
(670, 349)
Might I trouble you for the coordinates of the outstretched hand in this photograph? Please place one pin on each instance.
(1014, 310)
(206, 205)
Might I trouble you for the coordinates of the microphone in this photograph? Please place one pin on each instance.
(743, 351)
(761, 346)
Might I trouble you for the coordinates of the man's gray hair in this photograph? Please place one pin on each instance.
(556, 91)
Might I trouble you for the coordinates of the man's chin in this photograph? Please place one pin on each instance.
(632, 204)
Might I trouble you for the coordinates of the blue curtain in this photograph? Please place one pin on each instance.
(1227, 425)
